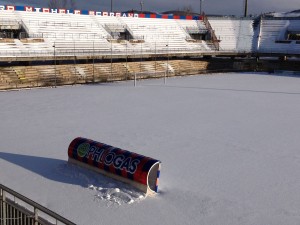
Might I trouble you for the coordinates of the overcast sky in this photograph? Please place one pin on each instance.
(224, 7)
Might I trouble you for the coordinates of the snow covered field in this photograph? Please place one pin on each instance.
(229, 146)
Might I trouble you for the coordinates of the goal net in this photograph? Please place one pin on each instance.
(149, 75)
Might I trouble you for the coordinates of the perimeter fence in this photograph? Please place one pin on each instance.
(16, 209)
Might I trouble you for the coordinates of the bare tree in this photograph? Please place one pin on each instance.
(52, 4)
(187, 9)
(62, 4)
(73, 4)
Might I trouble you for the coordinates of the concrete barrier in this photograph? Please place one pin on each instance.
(140, 171)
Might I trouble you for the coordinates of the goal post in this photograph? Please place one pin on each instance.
(149, 75)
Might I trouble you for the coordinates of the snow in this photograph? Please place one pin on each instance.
(285, 14)
(229, 146)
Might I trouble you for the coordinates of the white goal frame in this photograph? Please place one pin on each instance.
(150, 74)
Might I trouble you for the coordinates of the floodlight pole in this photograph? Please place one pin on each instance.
(111, 5)
(167, 74)
(111, 61)
(246, 8)
(93, 61)
(201, 7)
(54, 64)
(141, 57)
(142, 4)
(126, 61)
(155, 57)
(75, 62)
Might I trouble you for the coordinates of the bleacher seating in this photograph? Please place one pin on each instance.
(61, 26)
(8, 46)
(272, 38)
(234, 34)
(8, 20)
(195, 27)
(50, 34)
(161, 33)
(192, 26)
(157, 35)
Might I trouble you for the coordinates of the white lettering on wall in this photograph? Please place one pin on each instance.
(63, 11)
(28, 9)
(66, 11)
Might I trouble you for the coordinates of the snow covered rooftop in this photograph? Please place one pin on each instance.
(295, 13)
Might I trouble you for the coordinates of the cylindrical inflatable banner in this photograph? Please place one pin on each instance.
(140, 171)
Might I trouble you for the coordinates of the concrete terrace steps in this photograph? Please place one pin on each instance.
(61, 25)
(187, 67)
(9, 21)
(273, 31)
(235, 34)
(8, 78)
(70, 74)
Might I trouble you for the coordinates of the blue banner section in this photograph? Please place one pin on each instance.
(85, 12)
(20, 8)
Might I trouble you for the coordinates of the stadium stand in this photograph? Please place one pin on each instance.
(154, 34)
(235, 34)
(61, 26)
(92, 48)
(8, 21)
(274, 38)
(162, 33)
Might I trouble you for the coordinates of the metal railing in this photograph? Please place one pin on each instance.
(6, 34)
(17, 209)
(96, 48)
(9, 22)
(74, 24)
(66, 36)
(107, 53)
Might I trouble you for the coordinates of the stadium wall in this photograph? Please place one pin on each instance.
(17, 77)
